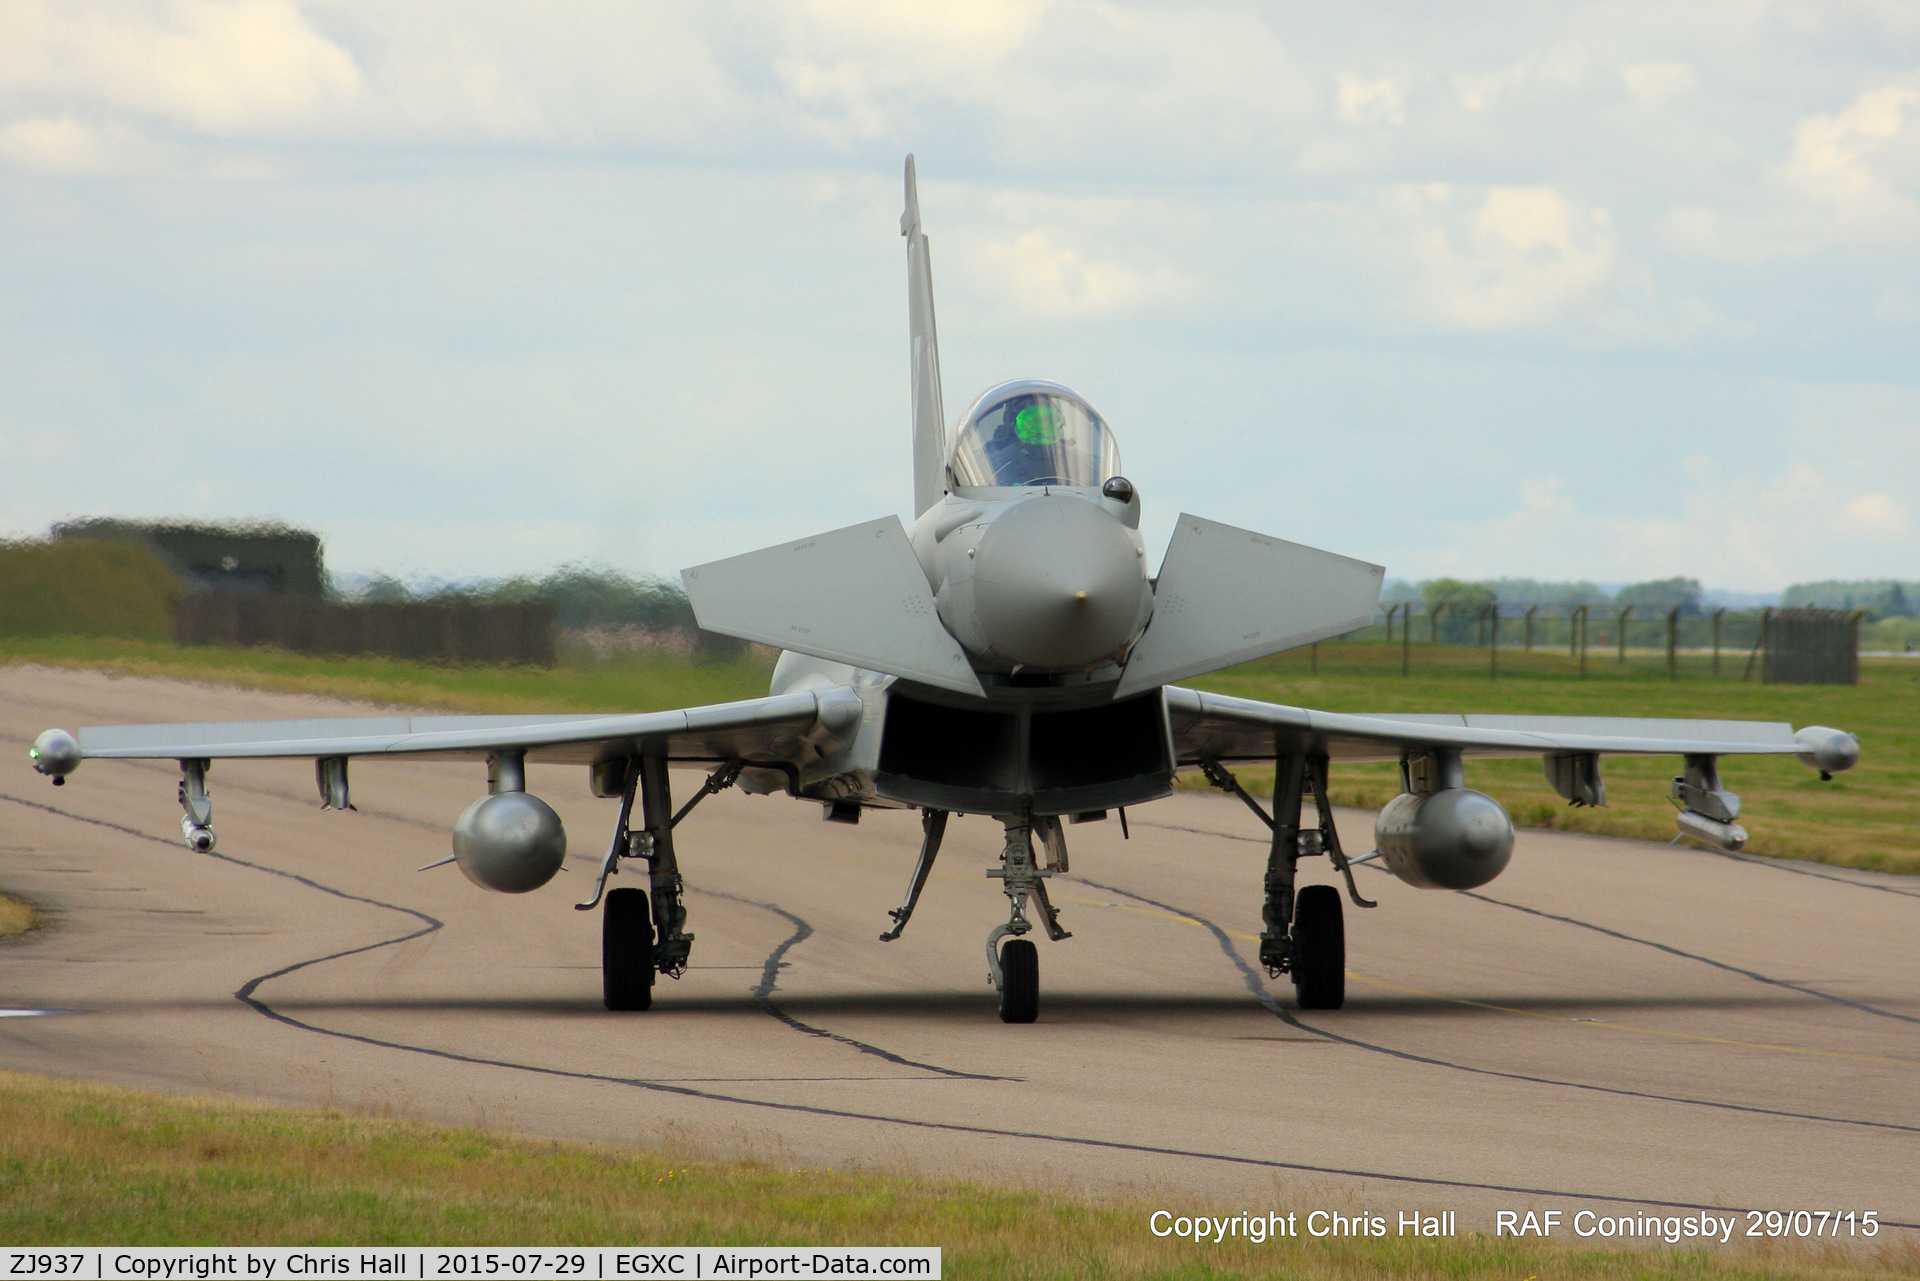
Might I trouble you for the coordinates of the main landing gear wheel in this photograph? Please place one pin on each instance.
(1019, 981)
(626, 950)
(1319, 949)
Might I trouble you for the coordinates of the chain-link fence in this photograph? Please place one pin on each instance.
(1807, 646)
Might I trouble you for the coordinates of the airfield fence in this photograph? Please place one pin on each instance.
(1791, 646)
(422, 631)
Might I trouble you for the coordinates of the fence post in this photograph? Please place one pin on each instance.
(1718, 614)
(1624, 615)
(1759, 642)
(1582, 611)
(1406, 640)
(1492, 614)
(1391, 611)
(1673, 643)
(1530, 610)
(1433, 622)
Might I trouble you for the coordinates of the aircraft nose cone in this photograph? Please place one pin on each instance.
(1058, 583)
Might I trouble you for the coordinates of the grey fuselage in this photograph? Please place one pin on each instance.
(1045, 588)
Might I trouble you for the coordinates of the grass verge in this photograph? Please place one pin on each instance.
(88, 1164)
(1866, 818)
(634, 682)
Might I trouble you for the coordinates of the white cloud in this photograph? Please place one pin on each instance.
(225, 67)
(1875, 516)
(1299, 231)
(63, 145)
(1657, 83)
(1371, 102)
(1521, 259)
(1046, 278)
(1850, 180)
(1833, 155)
(1559, 67)
(1753, 533)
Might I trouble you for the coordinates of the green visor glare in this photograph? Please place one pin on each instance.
(1037, 424)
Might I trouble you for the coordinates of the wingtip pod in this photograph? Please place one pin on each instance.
(1827, 750)
(56, 754)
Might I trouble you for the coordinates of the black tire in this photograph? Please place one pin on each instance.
(626, 950)
(1019, 981)
(1319, 949)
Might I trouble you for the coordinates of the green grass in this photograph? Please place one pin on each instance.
(1868, 817)
(84, 586)
(87, 1164)
(636, 682)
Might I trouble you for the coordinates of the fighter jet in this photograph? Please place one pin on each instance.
(1007, 655)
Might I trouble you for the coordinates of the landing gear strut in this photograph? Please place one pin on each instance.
(638, 937)
(196, 820)
(1015, 968)
(1304, 935)
(933, 825)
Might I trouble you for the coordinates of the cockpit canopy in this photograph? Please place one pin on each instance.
(1032, 433)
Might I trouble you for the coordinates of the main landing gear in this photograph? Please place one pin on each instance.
(1305, 933)
(641, 938)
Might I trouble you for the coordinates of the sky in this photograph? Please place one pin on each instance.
(1607, 291)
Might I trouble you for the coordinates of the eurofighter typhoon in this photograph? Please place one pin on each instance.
(1009, 655)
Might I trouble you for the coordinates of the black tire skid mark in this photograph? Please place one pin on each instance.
(431, 923)
(1260, 993)
(1755, 975)
(761, 993)
(770, 979)
(1799, 868)
(245, 995)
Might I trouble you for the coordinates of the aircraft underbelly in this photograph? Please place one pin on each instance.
(1000, 759)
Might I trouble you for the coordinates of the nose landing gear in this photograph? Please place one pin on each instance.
(1015, 967)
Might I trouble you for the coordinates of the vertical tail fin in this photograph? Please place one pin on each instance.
(929, 418)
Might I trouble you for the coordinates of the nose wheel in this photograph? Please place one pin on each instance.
(1014, 966)
(1019, 981)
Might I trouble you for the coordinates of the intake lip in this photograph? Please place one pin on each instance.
(1057, 583)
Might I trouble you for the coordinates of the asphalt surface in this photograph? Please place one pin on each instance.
(1616, 1025)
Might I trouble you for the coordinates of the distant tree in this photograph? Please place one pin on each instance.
(1880, 597)
(1566, 595)
(594, 596)
(384, 588)
(1893, 602)
(1462, 602)
(1399, 592)
(1661, 595)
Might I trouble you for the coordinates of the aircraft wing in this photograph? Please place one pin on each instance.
(774, 728)
(1227, 728)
